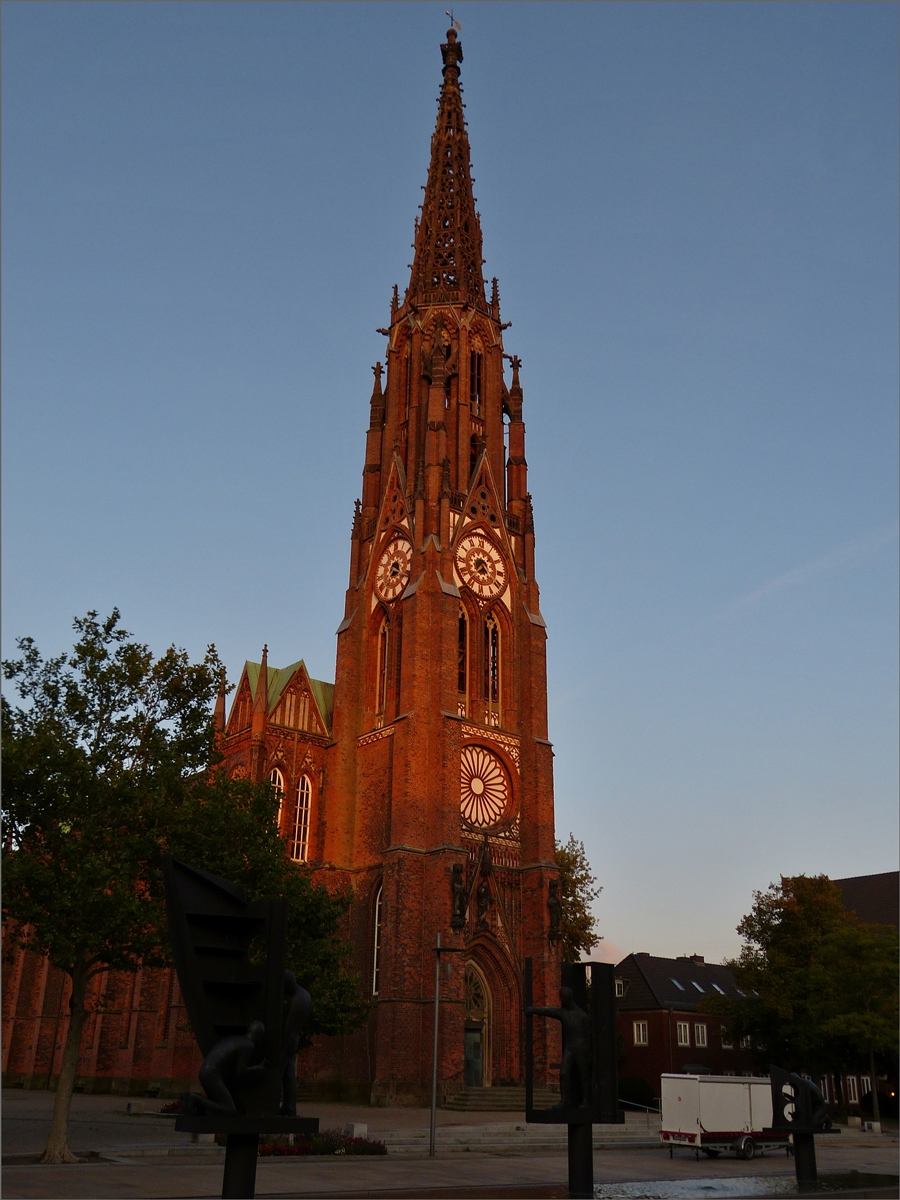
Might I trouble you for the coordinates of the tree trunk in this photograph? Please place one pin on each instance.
(839, 1096)
(57, 1148)
(876, 1111)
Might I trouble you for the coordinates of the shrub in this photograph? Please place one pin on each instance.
(634, 1090)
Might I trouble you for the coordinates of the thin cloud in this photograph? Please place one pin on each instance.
(850, 553)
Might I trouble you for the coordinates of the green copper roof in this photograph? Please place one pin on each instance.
(280, 677)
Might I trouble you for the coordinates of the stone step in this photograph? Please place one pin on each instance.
(499, 1099)
(518, 1138)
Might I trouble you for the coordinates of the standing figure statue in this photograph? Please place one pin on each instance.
(458, 890)
(483, 894)
(233, 1061)
(295, 1018)
(575, 1070)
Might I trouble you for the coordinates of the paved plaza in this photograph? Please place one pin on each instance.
(142, 1156)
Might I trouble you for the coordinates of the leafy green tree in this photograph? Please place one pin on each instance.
(108, 765)
(859, 1009)
(577, 890)
(820, 986)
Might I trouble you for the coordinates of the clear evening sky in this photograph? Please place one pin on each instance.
(692, 211)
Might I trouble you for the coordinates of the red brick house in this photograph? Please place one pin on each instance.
(423, 776)
(660, 1028)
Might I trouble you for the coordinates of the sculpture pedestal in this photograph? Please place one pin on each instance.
(242, 1146)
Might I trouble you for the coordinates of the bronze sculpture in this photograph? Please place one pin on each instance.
(575, 1089)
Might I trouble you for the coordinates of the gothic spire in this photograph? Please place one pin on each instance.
(447, 262)
(261, 698)
(219, 711)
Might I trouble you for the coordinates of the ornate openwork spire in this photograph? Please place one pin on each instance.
(447, 263)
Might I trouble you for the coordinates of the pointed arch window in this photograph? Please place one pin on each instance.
(381, 686)
(462, 669)
(376, 941)
(492, 671)
(299, 845)
(277, 781)
(475, 372)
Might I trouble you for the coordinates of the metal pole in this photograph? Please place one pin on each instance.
(434, 1061)
(581, 1160)
(239, 1177)
(805, 1161)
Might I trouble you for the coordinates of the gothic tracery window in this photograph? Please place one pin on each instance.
(376, 942)
(462, 672)
(300, 840)
(492, 671)
(277, 781)
(475, 393)
(382, 676)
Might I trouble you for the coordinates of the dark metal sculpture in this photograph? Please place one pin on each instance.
(230, 957)
(588, 1073)
(575, 1085)
(799, 1108)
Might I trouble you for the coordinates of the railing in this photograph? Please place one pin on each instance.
(631, 1104)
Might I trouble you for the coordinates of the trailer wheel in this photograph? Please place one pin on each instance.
(711, 1153)
(746, 1148)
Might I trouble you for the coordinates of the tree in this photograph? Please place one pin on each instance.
(108, 765)
(578, 926)
(820, 985)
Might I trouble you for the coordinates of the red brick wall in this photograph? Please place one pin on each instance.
(663, 1055)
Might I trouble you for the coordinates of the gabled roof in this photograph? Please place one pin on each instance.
(280, 677)
(874, 898)
(677, 983)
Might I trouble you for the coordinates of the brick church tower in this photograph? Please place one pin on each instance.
(424, 777)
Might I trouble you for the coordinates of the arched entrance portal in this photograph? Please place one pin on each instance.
(478, 1028)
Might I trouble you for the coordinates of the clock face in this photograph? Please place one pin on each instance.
(392, 574)
(481, 566)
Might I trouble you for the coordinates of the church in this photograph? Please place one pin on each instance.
(422, 777)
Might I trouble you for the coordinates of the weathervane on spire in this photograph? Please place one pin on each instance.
(448, 12)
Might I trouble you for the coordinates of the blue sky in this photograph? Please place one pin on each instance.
(692, 211)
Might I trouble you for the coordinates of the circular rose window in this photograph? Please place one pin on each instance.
(484, 788)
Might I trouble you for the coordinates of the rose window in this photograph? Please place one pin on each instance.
(484, 788)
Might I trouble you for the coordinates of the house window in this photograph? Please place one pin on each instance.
(620, 987)
(727, 1043)
(277, 781)
(300, 840)
(697, 986)
(865, 1085)
(680, 986)
(683, 1033)
(721, 991)
(376, 942)
(852, 1093)
(824, 1089)
(640, 1033)
(746, 1043)
(699, 1035)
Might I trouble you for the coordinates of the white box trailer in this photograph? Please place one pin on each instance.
(713, 1113)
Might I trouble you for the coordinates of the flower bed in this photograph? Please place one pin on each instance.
(329, 1141)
